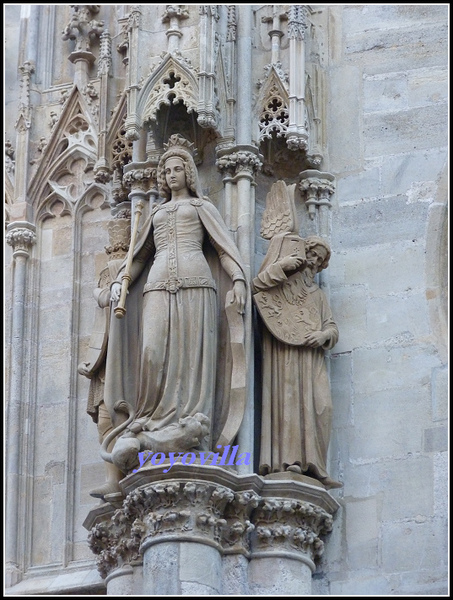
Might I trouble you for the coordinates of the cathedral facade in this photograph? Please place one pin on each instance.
(347, 105)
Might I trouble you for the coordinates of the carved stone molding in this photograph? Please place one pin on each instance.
(232, 23)
(21, 235)
(105, 54)
(316, 188)
(81, 29)
(24, 115)
(10, 161)
(239, 162)
(236, 533)
(138, 177)
(297, 21)
(172, 82)
(290, 528)
(243, 515)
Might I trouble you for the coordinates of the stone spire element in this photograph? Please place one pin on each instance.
(82, 29)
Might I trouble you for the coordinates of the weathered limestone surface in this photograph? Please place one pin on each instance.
(377, 105)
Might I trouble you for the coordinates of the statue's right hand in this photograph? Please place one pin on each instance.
(291, 262)
(115, 291)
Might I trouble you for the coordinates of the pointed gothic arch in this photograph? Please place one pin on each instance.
(172, 82)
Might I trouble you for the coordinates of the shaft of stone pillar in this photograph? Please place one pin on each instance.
(181, 568)
(228, 204)
(139, 147)
(245, 236)
(33, 33)
(244, 77)
(301, 85)
(246, 211)
(20, 235)
(279, 575)
(13, 415)
(81, 73)
(121, 582)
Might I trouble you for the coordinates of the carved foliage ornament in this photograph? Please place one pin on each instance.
(291, 525)
(82, 27)
(211, 513)
(21, 239)
(239, 161)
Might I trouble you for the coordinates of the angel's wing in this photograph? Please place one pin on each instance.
(280, 213)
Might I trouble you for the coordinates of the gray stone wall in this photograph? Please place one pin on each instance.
(388, 150)
(384, 113)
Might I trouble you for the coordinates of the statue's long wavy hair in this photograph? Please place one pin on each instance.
(314, 240)
(190, 169)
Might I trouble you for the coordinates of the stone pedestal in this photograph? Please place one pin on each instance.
(204, 530)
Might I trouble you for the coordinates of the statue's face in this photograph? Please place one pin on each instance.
(175, 174)
(315, 257)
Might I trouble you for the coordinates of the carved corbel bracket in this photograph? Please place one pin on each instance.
(316, 188)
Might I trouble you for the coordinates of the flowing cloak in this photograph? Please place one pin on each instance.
(296, 400)
(94, 365)
(125, 346)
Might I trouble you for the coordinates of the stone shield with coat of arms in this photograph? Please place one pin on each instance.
(289, 310)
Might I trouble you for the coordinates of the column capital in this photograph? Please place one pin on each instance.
(316, 187)
(139, 176)
(21, 235)
(239, 160)
(235, 514)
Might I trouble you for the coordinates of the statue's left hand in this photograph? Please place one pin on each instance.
(316, 339)
(239, 295)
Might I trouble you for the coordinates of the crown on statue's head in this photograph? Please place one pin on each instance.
(178, 141)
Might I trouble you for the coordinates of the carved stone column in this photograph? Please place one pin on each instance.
(101, 168)
(239, 166)
(316, 188)
(172, 15)
(141, 179)
(297, 135)
(133, 26)
(21, 236)
(286, 541)
(205, 530)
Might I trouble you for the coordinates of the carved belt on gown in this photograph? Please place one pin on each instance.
(173, 284)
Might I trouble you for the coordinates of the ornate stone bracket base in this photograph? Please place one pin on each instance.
(188, 530)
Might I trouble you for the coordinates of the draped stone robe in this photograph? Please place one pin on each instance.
(163, 360)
